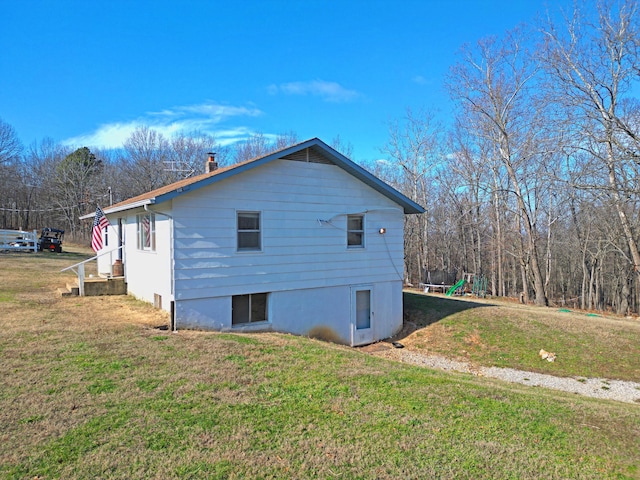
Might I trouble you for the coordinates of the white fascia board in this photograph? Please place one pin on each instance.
(349, 166)
(129, 206)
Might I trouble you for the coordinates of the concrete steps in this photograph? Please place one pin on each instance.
(71, 290)
(95, 287)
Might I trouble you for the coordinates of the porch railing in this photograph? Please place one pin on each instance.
(78, 268)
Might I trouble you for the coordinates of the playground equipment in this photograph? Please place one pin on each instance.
(437, 280)
(478, 285)
(479, 288)
(458, 284)
(475, 284)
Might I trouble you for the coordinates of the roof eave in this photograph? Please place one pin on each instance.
(409, 206)
(129, 206)
(211, 180)
(235, 170)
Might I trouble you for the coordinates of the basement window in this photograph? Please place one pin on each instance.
(249, 308)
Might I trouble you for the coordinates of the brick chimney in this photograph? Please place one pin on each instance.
(212, 165)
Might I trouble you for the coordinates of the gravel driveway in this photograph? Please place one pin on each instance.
(623, 391)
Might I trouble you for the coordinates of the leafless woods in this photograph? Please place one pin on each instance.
(532, 182)
(535, 182)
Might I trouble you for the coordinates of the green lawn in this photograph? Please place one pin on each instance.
(492, 333)
(90, 389)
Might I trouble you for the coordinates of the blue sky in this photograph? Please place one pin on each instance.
(86, 73)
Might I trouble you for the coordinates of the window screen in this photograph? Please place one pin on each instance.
(355, 230)
(249, 231)
(249, 308)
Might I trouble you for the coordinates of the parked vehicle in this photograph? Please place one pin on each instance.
(51, 240)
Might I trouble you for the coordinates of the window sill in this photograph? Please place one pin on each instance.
(251, 325)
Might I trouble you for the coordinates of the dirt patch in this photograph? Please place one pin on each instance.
(325, 333)
(376, 347)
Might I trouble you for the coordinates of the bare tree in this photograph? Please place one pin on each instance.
(10, 144)
(494, 85)
(188, 151)
(10, 149)
(414, 147)
(259, 144)
(38, 183)
(76, 181)
(285, 140)
(345, 148)
(471, 190)
(593, 65)
(146, 152)
(255, 146)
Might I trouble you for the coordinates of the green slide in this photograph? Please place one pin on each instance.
(452, 290)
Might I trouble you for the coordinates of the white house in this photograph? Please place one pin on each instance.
(301, 240)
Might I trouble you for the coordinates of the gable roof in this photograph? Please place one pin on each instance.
(314, 150)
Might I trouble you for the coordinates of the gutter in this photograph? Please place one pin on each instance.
(128, 206)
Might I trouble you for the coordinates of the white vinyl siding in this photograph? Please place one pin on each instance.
(148, 274)
(303, 216)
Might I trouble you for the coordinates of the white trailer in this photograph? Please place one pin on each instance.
(18, 240)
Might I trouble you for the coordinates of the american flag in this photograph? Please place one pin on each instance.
(146, 225)
(100, 222)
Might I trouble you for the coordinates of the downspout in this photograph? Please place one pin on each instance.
(173, 324)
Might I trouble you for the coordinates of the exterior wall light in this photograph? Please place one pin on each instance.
(382, 231)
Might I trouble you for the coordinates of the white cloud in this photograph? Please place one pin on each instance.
(211, 110)
(205, 117)
(230, 136)
(111, 135)
(420, 80)
(328, 91)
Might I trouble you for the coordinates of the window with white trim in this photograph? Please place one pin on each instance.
(249, 308)
(249, 232)
(146, 231)
(355, 231)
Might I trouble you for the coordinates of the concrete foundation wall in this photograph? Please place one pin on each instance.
(110, 286)
(325, 313)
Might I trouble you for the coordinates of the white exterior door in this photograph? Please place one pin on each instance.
(361, 315)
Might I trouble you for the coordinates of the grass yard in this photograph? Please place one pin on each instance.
(90, 388)
(503, 334)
